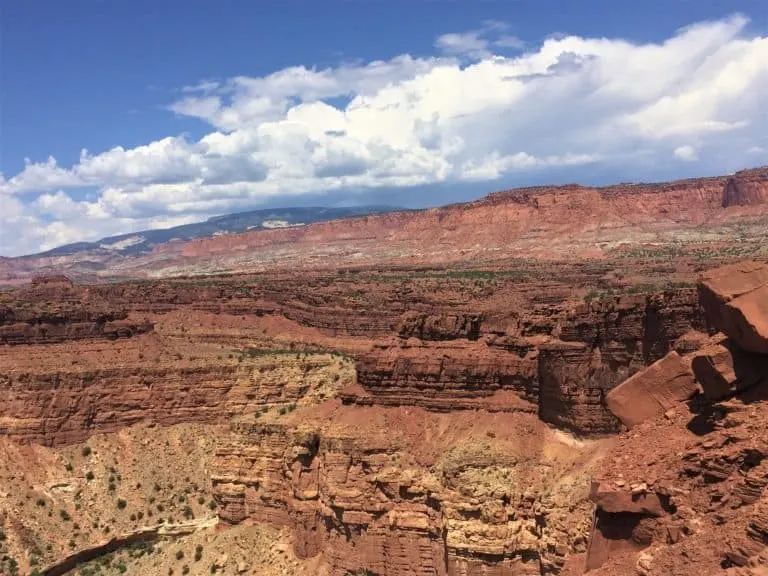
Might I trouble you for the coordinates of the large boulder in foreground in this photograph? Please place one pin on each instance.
(735, 299)
(650, 393)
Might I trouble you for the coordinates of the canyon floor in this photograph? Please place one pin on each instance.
(580, 411)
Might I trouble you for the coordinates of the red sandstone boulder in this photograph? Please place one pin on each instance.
(693, 341)
(723, 369)
(622, 501)
(735, 298)
(650, 393)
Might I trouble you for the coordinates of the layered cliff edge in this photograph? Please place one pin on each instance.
(435, 456)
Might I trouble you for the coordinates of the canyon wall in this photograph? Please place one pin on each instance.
(361, 498)
(562, 372)
(601, 344)
(53, 309)
(516, 214)
(558, 361)
(69, 404)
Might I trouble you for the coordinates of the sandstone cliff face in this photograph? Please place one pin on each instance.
(511, 213)
(565, 378)
(602, 344)
(66, 330)
(363, 500)
(573, 383)
(52, 309)
(447, 376)
(433, 350)
(747, 188)
(69, 405)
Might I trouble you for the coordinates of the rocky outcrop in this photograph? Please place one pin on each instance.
(736, 300)
(439, 327)
(723, 369)
(601, 344)
(51, 333)
(692, 504)
(69, 405)
(447, 376)
(53, 309)
(693, 480)
(748, 188)
(365, 504)
(650, 393)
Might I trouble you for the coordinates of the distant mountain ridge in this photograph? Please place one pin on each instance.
(541, 223)
(264, 219)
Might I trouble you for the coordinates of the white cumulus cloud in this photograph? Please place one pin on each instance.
(687, 153)
(484, 107)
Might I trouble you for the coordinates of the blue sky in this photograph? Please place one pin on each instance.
(288, 108)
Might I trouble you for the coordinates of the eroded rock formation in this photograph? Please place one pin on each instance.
(363, 497)
(686, 492)
(52, 309)
(439, 447)
(70, 404)
(736, 300)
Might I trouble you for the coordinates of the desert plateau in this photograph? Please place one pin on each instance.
(549, 381)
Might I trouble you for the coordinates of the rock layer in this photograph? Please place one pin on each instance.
(736, 300)
(361, 499)
(52, 309)
(69, 405)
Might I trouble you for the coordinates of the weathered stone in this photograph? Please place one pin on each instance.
(723, 369)
(650, 393)
(735, 298)
(623, 501)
